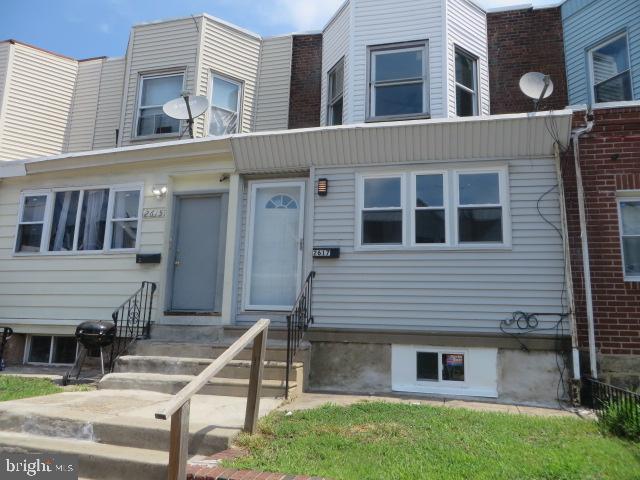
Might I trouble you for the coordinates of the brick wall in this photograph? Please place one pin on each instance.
(610, 161)
(306, 68)
(522, 41)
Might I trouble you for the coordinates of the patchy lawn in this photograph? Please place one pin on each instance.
(13, 388)
(376, 440)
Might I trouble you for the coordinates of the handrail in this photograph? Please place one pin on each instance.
(178, 407)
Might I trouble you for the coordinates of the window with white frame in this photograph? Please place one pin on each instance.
(440, 366)
(479, 205)
(74, 220)
(382, 210)
(155, 91)
(335, 93)
(630, 236)
(466, 84)
(226, 95)
(398, 85)
(610, 72)
(471, 204)
(51, 349)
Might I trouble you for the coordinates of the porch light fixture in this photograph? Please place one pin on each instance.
(323, 187)
(160, 191)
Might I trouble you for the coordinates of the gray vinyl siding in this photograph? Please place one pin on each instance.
(336, 42)
(467, 28)
(231, 52)
(274, 81)
(446, 290)
(109, 103)
(378, 23)
(158, 48)
(587, 23)
(82, 120)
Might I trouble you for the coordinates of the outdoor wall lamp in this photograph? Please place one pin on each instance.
(160, 191)
(323, 187)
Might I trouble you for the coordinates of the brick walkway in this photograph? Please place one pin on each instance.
(209, 469)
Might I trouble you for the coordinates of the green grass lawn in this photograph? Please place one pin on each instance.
(376, 440)
(13, 388)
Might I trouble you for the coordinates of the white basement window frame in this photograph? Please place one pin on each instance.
(235, 123)
(375, 83)
(51, 357)
(52, 244)
(174, 124)
(463, 87)
(451, 206)
(622, 75)
(629, 228)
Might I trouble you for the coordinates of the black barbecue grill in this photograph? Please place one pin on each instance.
(91, 335)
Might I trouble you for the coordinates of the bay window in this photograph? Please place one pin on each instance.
(398, 85)
(155, 91)
(629, 212)
(466, 84)
(610, 73)
(226, 95)
(78, 220)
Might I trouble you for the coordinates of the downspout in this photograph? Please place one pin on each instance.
(586, 265)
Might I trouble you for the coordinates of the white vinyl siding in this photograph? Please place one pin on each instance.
(467, 29)
(274, 80)
(82, 121)
(445, 289)
(38, 100)
(109, 103)
(336, 44)
(5, 51)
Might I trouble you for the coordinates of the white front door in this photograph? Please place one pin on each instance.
(274, 253)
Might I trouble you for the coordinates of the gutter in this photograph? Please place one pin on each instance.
(586, 265)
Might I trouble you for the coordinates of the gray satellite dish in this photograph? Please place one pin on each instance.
(537, 86)
(186, 108)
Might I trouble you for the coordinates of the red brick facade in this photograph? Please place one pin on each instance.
(609, 161)
(522, 41)
(306, 68)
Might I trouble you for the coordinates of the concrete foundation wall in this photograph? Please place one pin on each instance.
(14, 349)
(620, 370)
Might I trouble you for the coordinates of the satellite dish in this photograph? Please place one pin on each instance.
(186, 108)
(537, 86)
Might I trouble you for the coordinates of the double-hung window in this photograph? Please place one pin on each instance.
(430, 222)
(382, 210)
(630, 236)
(440, 366)
(226, 96)
(610, 73)
(155, 91)
(77, 220)
(479, 207)
(466, 84)
(398, 85)
(335, 93)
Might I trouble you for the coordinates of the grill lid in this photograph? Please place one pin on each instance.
(96, 333)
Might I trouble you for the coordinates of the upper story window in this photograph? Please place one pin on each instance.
(398, 86)
(610, 73)
(155, 91)
(630, 236)
(466, 84)
(77, 220)
(226, 95)
(335, 93)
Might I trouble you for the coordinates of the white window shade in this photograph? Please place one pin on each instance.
(610, 71)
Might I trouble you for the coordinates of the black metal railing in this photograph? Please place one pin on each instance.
(132, 320)
(614, 406)
(298, 322)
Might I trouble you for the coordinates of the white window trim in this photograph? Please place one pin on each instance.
(440, 381)
(445, 207)
(45, 226)
(590, 52)
(139, 106)
(372, 52)
(476, 96)
(27, 351)
(246, 284)
(450, 187)
(360, 208)
(624, 198)
(239, 112)
(333, 99)
(46, 232)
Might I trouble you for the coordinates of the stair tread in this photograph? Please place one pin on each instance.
(272, 344)
(205, 361)
(163, 377)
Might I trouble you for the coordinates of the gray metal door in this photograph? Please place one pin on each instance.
(198, 253)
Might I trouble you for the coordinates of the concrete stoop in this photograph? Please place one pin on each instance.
(114, 432)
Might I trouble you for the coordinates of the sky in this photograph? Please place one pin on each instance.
(89, 28)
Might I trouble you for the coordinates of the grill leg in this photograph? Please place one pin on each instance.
(101, 361)
(77, 366)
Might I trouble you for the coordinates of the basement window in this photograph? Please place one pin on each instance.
(440, 366)
(610, 72)
(51, 349)
(630, 237)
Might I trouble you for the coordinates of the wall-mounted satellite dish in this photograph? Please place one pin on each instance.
(187, 108)
(537, 86)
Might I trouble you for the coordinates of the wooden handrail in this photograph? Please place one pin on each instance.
(178, 407)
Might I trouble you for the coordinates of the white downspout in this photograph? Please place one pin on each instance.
(586, 265)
